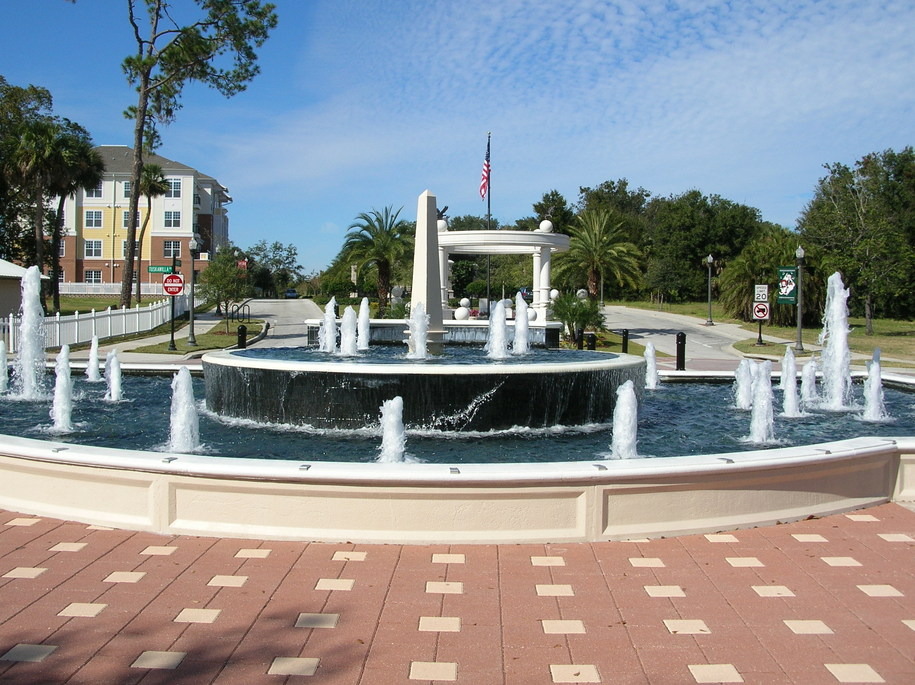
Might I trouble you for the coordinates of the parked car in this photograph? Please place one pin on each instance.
(291, 294)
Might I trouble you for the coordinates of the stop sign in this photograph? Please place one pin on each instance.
(173, 284)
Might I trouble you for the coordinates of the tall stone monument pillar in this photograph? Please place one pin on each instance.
(427, 278)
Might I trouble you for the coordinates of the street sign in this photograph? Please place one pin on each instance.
(787, 285)
(159, 269)
(761, 311)
(173, 284)
(761, 293)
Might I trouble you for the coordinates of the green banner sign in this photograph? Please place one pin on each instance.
(787, 285)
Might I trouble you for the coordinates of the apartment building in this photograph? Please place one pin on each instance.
(95, 222)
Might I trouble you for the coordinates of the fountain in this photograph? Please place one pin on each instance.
(62, 407)
(92, 372)
(836, 356)
(652, 381)
(443, 390)
(625, 423)
(809, 396)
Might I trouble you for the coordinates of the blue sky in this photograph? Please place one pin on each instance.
(366, 103)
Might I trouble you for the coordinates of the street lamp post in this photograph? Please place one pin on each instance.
(799, 255)
(192, 248)
(709, 260)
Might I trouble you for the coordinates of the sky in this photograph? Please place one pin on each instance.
(363, 104)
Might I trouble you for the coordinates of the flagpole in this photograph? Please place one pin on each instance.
(489, 185)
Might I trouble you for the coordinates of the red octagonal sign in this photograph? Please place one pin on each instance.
(173, 284)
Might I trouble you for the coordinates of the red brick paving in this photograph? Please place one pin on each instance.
(501, 641)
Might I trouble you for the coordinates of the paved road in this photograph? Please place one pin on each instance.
(286, 319)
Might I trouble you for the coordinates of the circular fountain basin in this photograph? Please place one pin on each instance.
(456, 393)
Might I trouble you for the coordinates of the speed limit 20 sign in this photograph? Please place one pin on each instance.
(173, 284)
(760, 311)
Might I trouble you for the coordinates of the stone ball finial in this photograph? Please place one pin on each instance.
(546, 226)
(442, 225)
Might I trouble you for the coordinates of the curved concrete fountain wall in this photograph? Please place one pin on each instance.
(424, 503)
(444, 397)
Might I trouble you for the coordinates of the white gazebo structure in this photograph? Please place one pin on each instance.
(540, 244)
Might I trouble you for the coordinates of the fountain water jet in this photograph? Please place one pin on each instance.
(836, 355)
(790, 407)
(761, 415)
(348, 342)
(4, 368)
(62, 406)
(625, 423)
(809, 396)
(363, 327)
(29, 367)
(652, 381)
(521, 343)
(874, 407)
(743, 385)
(92, 367)
(184, 434)
(393, 438)
(418, 325)
(497, 343)
(113, 377)
(327, 334)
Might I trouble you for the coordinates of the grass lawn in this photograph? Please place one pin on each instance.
(213, 338)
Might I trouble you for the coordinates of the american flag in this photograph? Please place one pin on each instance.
(484, 178)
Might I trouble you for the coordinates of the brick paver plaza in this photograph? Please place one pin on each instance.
(828, 600)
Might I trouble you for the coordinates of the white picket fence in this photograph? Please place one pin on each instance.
(81, 327)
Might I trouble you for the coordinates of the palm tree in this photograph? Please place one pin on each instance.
(34, 164)
(78, 165)
(379, 239)
(600, 248)
(152, 184)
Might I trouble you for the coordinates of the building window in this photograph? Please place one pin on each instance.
(174, 187)
(93, 276)
(60, 276)
(61, 249)
(136, 247)
(172, 219)
(127, 186)
(172, 249)
(196, 199)
(95, 192)
(93, 218)
(127, 218)
(93, 248)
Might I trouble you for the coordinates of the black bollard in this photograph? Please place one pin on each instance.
(681, 351)
(580, 338)
(242, 342)
(625, 341)
(591, 340)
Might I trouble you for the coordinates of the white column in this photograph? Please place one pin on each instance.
(445, 275)
(536, 283)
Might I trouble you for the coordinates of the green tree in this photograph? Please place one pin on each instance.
(381, 240)
(682, 230)
(152, 184)
(78, 165)
(757, 264)
(861, 220)
(577, 314)
(18, 107)
(552, 206)
(170, 54)
(617, 197)
(599, 249)
(279, 262)
(223, 281)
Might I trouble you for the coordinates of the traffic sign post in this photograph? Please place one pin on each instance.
(760, 308)
(173, 285)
